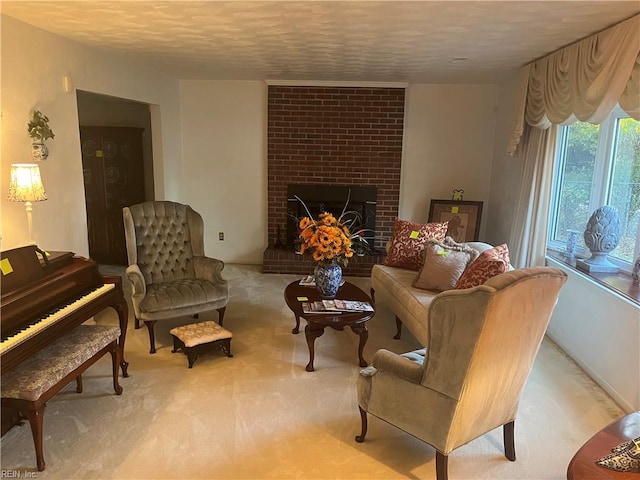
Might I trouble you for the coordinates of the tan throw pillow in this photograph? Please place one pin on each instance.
(443, 266)
(407, 244)
(490, 263)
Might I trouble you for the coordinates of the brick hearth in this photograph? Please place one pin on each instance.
(332, 135)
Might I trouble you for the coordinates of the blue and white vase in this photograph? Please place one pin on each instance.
(572, 243)
(328, 279)
(39, 151)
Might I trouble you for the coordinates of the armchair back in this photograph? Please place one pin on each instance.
(482, 346)
(162, 239)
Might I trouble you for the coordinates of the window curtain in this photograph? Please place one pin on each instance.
(529, 235)
(583, 81)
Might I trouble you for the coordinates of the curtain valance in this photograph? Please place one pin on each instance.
(583, 81)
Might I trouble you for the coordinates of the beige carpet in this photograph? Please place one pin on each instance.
(260, 415)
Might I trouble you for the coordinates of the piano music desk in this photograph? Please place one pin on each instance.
(36, 380)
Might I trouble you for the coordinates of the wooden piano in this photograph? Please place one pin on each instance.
(45, 296)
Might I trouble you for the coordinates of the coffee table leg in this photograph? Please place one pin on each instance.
(363, 333)
(296, 329)
(312, 331)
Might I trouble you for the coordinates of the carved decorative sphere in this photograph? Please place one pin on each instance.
(603, 230)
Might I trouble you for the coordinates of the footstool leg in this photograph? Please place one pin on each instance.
(226, 347)
(191, 356)
(177, 343)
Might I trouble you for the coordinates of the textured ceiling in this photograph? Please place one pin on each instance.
(388, 41)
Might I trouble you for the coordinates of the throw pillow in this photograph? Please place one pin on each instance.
(490, 263)
(443, 266)
(407, 244)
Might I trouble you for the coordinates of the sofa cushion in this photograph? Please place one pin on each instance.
(443, 266)
(407, 244)
(490, 263)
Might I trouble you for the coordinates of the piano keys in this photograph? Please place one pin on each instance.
(42, 323)
(43, 299)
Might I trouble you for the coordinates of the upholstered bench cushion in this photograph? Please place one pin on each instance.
(167, 296)
(200, 333)
(36, 375)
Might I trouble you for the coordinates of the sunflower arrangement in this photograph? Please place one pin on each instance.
(326, 239)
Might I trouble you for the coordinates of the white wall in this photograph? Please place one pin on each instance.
(506, 170)
(33, 65)
(448, 143)
(600, 330)
(225, 165)
(224, 149)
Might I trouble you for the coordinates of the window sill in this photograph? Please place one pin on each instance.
(619, 282)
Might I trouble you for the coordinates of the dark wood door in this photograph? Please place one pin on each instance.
(113, 178)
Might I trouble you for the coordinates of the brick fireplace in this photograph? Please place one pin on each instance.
(338, 136)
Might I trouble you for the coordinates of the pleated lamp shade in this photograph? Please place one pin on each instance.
(26, 184)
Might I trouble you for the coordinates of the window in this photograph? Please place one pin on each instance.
(598, 165)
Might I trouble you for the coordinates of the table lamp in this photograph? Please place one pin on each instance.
(26, 186)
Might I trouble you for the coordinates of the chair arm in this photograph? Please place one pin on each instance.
(209, 268)
(389, 362)
(137, 280)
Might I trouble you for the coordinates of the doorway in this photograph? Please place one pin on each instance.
(117, 162)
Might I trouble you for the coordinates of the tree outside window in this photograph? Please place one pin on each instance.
(598, 165)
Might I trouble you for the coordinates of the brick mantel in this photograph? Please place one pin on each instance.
(334, 135)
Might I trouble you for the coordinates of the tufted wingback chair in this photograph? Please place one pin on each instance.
(482, 344)
(169, 273)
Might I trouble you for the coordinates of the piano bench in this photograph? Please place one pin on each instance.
(197, 338)
(31, 384)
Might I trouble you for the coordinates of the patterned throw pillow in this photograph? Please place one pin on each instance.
(443, 265)
(407, 245)
(490, 263)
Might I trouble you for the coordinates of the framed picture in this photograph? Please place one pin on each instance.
(463, 217)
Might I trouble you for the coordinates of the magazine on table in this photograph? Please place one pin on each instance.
(347, 305)
(308, 281)
(317, 307)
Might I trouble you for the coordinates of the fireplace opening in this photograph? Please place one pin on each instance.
(333, 198)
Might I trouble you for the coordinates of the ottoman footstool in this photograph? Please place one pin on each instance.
(197, 338)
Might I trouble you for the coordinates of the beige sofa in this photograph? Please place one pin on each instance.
(393, 287)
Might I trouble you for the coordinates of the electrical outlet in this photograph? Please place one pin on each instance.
(220, 235)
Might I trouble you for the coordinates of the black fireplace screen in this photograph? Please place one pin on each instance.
(360, 202)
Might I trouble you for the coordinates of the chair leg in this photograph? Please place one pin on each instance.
(363, 417)
(152, 337)
(373, 295)
(509, 440)
(442, 466)
(398, 328)
(79, 384)
(221, 315)
(137, 323)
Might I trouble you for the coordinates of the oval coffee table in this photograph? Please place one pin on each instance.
(583, 464)
(317, 322)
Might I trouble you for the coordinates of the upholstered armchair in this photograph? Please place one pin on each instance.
(468, 381)
(169, 274)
